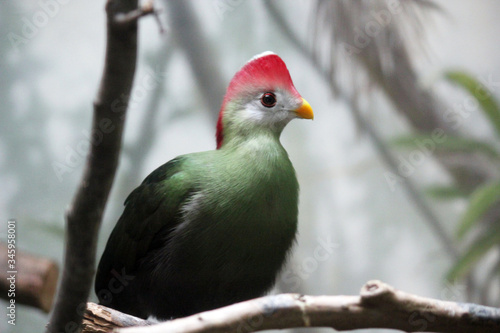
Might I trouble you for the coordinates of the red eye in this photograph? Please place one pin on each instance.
(268, 100)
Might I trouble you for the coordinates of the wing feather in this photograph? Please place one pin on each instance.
(151, 212)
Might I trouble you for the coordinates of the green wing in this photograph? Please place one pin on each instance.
(151, 211)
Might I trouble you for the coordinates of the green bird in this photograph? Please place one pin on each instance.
(209, 229)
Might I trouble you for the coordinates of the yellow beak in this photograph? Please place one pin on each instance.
(305, 110)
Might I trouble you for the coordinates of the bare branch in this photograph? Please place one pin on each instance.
(98, 319)
(378, 306)
(35, 281)
(190, 37)
(84, 215)
(131, 17)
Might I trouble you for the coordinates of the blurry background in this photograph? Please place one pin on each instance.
(399, 171)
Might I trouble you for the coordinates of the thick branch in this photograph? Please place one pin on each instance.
(85, 212)
(35, 281)
(378, 306)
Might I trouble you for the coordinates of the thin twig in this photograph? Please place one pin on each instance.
(200, 55)
(131, 17)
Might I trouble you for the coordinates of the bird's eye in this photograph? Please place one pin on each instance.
(268, 99)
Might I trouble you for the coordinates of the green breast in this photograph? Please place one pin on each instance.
(244, 214)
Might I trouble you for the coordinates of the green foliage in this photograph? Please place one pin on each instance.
(481, 93)
(474, 253)
(480, 201)
(484, 232)
(485, 196)
(445, 192)
(445, 143)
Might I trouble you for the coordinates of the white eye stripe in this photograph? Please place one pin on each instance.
(253, 113)
(259, 114)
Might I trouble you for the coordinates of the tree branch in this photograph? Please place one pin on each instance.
(35, 281)
(190, 37)
(100, 319)
(84, 215)
(132, 16)
(378, 306)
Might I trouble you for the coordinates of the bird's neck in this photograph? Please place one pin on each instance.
(252, 140)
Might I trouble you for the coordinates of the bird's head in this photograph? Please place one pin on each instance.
(260, 97)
